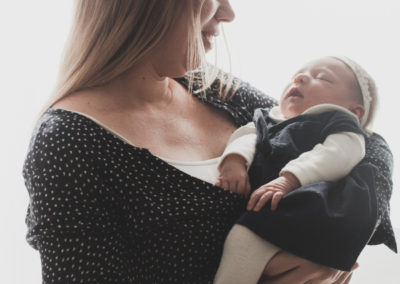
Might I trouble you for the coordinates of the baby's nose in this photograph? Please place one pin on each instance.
(300, 78)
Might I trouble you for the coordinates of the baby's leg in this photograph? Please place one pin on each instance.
(244, 257)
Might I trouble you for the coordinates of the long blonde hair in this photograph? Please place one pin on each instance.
(109, 37)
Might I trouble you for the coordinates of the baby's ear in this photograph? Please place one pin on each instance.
(358, 110)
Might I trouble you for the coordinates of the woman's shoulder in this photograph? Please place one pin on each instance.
(237, 87)
(251, 96)
(60, 134)
(69, 120)
(241, 98)
(84, 101)
(61, 123)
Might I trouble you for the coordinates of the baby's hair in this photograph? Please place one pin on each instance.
(372, 89)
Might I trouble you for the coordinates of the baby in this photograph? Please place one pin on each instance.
(316, 134)
(322, 85)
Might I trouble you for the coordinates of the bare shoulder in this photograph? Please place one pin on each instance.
(82, 101)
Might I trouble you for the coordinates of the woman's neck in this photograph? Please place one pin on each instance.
(141, 86)
(139, 90)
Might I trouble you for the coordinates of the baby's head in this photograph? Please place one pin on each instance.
(331, 80)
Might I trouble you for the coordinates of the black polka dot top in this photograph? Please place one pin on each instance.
(104, 211)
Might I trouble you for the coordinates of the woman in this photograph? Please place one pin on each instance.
(110, 199)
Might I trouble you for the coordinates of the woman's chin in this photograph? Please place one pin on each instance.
(207, 46)
(208, 42)
(181, 72)
(193, 66)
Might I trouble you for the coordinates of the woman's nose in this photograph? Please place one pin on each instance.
(301, 78)
(225, 12)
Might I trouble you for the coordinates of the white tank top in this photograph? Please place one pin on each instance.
(205, 170)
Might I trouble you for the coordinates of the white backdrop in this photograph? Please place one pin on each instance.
(269, 40)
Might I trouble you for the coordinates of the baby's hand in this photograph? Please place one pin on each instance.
(233, 175)
(274, 191)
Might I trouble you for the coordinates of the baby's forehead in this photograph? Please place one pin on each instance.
(329, 64)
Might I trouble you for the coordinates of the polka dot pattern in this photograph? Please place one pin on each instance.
(103, 211)
(378, 154)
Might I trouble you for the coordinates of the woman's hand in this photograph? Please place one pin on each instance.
(285, 267)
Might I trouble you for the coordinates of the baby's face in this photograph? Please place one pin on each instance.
(322, 81)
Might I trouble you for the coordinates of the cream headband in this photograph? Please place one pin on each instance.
(363, 80)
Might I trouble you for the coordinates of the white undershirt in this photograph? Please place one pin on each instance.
(205, 170)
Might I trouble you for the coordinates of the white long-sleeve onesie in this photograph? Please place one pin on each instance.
(246, 254)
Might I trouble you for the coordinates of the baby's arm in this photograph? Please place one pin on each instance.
(331, 160)
(236, 159)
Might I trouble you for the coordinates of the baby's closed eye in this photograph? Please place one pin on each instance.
(323, 77)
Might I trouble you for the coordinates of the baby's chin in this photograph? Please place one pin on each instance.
(289, 113)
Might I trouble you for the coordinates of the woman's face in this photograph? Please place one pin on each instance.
(171, 57)
(213, 13)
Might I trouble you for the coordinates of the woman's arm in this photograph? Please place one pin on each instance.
(240, 104)
(285, 267)
(379, 155)
(78, 238)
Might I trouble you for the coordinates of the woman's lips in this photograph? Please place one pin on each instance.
(209, 36)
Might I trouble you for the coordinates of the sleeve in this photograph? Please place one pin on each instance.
(251, 98)
(240, 102)
(379, 155)
(243, 143)
(329, 161)
(69, 219)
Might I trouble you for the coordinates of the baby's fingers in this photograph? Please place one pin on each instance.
(263, 200)
(233, 186)
(255, 196)
(224, 184)
(248, 187)
(275, 200)
(241, 187)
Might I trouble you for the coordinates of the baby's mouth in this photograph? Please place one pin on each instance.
(294, 92)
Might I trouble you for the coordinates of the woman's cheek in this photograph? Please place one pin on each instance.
(208, 11)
